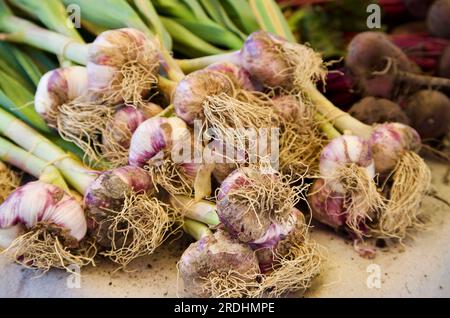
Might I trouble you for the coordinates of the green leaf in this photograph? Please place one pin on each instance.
(173, 9)
(219, 15)
(149, 13)
(110, 14)
(241, 14)
(19, 101)
(271, 19)
(197, 10)
(212, 33)
(52, 14)
(41, 59)
(187, 43)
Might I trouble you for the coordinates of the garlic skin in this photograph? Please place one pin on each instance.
(278, 63)
(110, 52)
(107, 194)
(237, 214)
(238, 75)
(38, 202)
(157, 137)
(192, 91)
(7, 236)
(341, 152)
(58, 87)
(214, 255)
(327, 206)
(260, 57)
(123, 124)
(389, 142)
(287, 107)
(108, 190)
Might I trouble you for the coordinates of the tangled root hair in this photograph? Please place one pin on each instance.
(9, 180)
(141, 226)
(48, 246)
(411, 180)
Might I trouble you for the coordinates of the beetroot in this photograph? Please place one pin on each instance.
(415, 27)
(381, 69)
(418, 8)
(438, 18)
(429, 112)
(444, 64)
(423, 50)
(371, 110)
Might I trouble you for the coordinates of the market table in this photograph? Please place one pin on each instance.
(420, 269)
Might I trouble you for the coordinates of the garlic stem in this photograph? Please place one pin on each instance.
(340, 119)
(202, 211)
(30, 164)
(166, 86)
(327, 128)
(196, 229)
(189, 66)
(78, 176)
(22, 31)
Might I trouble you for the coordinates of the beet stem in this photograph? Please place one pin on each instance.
(424, 80)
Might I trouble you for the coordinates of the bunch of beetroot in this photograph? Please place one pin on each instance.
(403, 76)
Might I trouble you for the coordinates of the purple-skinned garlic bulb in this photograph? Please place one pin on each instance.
(166, 148)
(122, 66)
(389, 142)
(54, 224)
(58, 87)
(278, 63)
(191, 93)
(257, 207)
(395, 148)
(124, 216)
(238, 75)
(327, 206)
(347, 166)
(251, 202)
(219, 266)
(344, 151)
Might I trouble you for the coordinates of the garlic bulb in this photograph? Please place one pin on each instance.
(58, 87)
(122, 66)
(341, 152)
(238, 75)
(192, 91)
(287, 107)
(278, 63)
(38, 202)
(327, 206)
(155, 138)
(255, 205)
(389, 142)
(122, 126)
(219, 266)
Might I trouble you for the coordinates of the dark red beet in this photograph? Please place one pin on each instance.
(415, 27)
(368, 53)
(444, 64)
(438, 18)
(418, 8)
(422, 49)
(429, 112)
(371, 110)
(381, 69)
